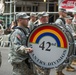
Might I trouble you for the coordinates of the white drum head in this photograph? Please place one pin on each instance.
(50, 46)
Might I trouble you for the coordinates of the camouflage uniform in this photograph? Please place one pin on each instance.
(74, 26)
(18, 57)
(70, 28)
(61, 24)
(40, 70)
(74, 21)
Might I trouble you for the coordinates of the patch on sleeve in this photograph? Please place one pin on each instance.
(19, 37)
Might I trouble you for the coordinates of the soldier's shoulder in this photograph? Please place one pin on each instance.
(17, 31)
(59, 19)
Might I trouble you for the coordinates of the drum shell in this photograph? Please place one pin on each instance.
(71, 43)
(71, 40)
(75, 45)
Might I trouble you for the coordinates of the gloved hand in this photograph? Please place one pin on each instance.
(27, 50)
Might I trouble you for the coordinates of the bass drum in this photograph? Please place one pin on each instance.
(51, 45)
(71, 40)
(75, 47)
(71, 43)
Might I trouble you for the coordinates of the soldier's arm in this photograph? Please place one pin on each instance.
(18, 46)
(32, 27)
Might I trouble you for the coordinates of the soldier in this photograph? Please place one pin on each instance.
(33, 18)
(69, 26)
(74, 24)
(61, 22)
(74, 21)
(43, 17)
(18, 55)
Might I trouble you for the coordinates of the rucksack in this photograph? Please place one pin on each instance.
(62, 20)
(24, 31)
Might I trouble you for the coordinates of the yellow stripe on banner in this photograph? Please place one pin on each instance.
(51, 31)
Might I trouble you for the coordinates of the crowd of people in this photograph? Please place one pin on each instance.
(19, 51)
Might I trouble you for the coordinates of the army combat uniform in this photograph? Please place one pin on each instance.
(18, 57)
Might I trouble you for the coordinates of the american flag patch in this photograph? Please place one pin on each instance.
(19, 37)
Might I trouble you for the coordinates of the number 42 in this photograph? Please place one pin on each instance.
(42, 45)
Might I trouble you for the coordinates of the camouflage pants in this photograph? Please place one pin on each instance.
(60, 68)
(41, 71)
(67, 63)
(22, 69)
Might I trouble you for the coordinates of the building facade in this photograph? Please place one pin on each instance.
(14, 6)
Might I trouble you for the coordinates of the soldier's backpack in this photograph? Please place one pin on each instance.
(24, 31)
(62, 20)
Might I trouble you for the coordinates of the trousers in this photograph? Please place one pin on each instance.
(41, 71)
(22, 69)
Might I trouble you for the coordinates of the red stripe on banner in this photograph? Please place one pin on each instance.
(68, 5)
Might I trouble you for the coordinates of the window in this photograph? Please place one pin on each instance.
(28, 8)
(35, 8)
(18, 9)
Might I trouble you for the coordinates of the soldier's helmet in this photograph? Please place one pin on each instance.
(33, 14)
(41, 14)
(22, 15)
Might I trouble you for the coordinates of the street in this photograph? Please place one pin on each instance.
(6, 68)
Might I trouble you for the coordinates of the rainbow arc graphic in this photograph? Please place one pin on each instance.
(51, 31)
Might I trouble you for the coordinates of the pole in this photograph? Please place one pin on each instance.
(6, 21)
(48, 6)
(10, 11)
(14, 9)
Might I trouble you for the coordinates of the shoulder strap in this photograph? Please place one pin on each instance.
(21, 30)
(24, 31)
(62, 20)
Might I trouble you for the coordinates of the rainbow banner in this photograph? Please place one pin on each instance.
(48, 30)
